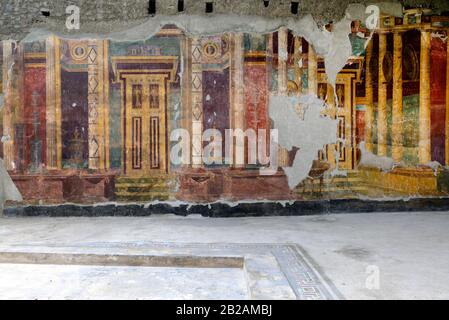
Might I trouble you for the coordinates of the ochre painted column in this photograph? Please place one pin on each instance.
(282, 81)
(197, 103)
(282, 60)
(330, 100)
(238, 92)
(298, 63)
(398, 118)
(8, 125)
(96, 104)
(186, 113)
(53, 104)
(332, 113)
(313, 70)
(447, 103)
(106, 107)
(382, 127)
(369, 113)
(424, 100)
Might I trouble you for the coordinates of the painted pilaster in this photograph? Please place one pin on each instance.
(96, 104)
(106, 107)
(398, 118)
(298, 63)
(8, 125)
(382, 127)
(186, 114)
(53, 104)
(424, 100)
(197, 103)
(282, 60)
(369, 114)
(238, 92)
(313, 70)
(447, 103)
(282, 81)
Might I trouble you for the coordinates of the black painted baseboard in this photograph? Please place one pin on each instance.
(222, 209)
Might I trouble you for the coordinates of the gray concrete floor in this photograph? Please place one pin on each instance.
(20, 282)
(410, 251)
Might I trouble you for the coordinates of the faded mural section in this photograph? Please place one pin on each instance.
(95, 120)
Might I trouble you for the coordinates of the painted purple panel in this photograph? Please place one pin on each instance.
(74, 125)
(216, 101)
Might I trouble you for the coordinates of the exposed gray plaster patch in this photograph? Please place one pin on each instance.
(8, 190)
(369, 159)
(309, 134)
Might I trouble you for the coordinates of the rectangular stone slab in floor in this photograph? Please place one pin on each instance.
(31, 281)
(270, 271)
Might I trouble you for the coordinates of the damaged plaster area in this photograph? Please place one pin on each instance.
(308, 130)
(8, 191)
(369, 159)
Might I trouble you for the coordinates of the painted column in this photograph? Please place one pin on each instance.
(298, 63)
(186, 113)
(282, 81)
(19, 114)
(238, 92)
(424, 100)
(447, 103)
(53, 108)
(282, 60)
(313, 70)
(106, 107)
(96, 112)
(197, 103)
(369, 114)
(8, 125)
(186, 80)
(332, 113)
(382, 126)
(398, 118)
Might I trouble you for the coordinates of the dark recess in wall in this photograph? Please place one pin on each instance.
(294, 7)
(45, 12)
(180, 5)
(152, 7)
(209, 7)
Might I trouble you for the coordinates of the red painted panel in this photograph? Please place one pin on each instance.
(34, 93)
(360, 123)
(438, 98)
(256, 98)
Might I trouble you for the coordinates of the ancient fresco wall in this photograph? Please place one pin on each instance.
(235, 115)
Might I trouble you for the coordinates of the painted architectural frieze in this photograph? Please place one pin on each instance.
(189, 117)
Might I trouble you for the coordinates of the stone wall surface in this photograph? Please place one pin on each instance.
(17, 17)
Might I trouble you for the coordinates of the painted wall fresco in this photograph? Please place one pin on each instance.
(93, 120)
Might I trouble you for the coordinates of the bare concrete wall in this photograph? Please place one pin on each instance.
(18, 16)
